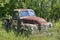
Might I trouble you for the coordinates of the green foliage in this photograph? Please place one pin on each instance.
(42, 36)
(48, 9)
(27, 31)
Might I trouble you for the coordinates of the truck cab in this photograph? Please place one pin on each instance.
(23, 13)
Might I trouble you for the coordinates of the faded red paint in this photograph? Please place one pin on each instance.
(33, 20)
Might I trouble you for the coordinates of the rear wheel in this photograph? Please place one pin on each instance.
(7, 24)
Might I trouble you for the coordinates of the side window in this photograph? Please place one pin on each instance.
(32, 13)
(15, 14)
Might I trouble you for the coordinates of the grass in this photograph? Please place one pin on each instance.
(55, 34)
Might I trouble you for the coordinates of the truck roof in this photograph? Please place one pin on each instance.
(22, 9)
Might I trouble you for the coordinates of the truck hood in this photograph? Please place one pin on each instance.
(34, 18)
(39, 20)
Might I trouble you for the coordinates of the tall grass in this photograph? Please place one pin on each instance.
(53, 34)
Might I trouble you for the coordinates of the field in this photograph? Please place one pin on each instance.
(53, 34)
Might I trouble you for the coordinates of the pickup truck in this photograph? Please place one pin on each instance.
(27, 17)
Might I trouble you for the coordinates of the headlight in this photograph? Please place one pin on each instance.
(46, 26)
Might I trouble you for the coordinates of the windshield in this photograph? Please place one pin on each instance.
(26, 13)
(23, 13)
